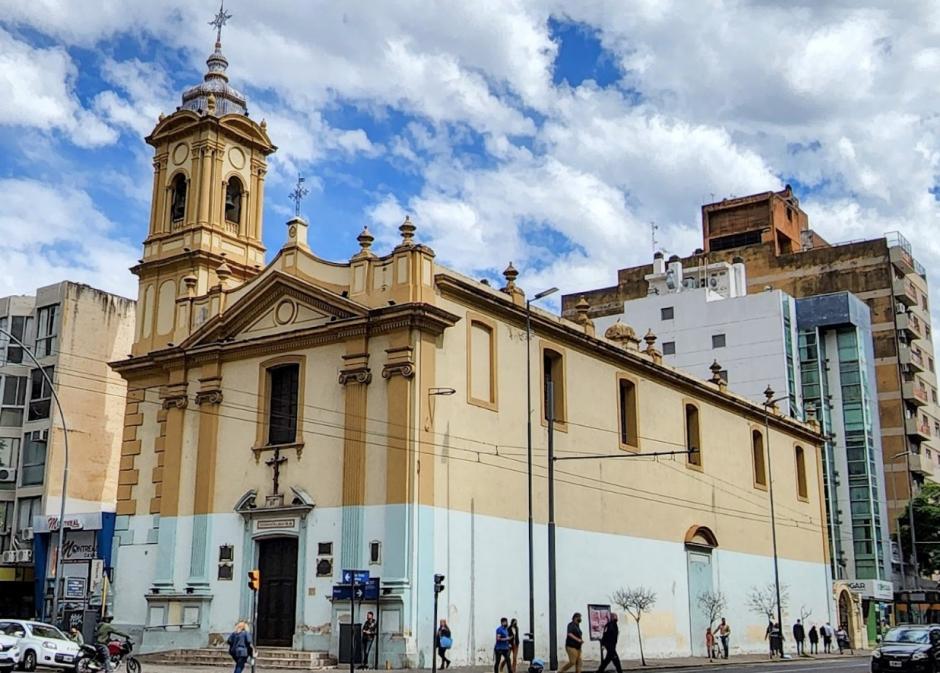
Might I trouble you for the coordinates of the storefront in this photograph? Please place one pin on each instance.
(876, 602)
(86, 560)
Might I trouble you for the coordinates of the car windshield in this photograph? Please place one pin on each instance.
(919, 636)
(44, 631)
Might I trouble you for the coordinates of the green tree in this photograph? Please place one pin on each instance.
(927, 527)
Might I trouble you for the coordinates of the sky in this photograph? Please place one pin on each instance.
(543, 132)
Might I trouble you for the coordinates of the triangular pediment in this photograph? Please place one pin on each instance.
(279, 303)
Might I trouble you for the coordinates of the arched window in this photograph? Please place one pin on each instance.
(801, 489)
(757, 451)
(178, 198)
(692, 440)
(233, 200)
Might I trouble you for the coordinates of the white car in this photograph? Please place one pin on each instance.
(9, 653)
(40, 644)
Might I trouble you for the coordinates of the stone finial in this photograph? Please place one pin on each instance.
(407, 230)
(623, 335)
(513, 290)
(190, 281)
(770, 404)
(582, 308)
(223, 272)
(365, 239)
(651, 350)
(716, 378)
(210, 104)
(161, 117)
(264, 124)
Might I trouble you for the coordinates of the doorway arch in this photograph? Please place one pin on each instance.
(699, 542)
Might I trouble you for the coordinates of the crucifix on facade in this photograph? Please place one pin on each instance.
(275, 463)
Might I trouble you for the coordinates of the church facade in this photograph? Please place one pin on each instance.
(303, 416)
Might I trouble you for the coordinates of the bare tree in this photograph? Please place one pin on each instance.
(636, 602)
(763, 600)
(805, 613)
(713, 604)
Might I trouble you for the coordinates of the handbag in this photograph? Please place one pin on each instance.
(446, 642)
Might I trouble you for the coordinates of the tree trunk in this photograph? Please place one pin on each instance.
(640, 638)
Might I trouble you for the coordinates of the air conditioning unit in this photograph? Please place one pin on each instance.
(24, 555)
(8, 557)
(26, 533)
(7, 475)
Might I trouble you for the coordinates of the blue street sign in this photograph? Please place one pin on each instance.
(367, 591)
(362, 576)
(371, 589)
(342, 592)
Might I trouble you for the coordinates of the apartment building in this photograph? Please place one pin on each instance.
(771, 235)
(72, 331)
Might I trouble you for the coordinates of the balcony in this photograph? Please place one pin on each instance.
(921, 464)
(900, 254)
(911, 325)
(904, 291)
(915, 392)
(917, 428)
(911, 357)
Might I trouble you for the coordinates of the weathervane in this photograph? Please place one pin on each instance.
(218, 21)
(298, 194)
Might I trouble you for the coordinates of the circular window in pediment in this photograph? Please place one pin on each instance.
(284, 313)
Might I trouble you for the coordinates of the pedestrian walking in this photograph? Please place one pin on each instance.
(368, 636)
(813, 640)
(724, 634)
(501, 649)
(799, 635)
(444, 643)
(842, 640)
(710, 642)
(573, 642)
(827, 633)
(609, 644)
(240, 647)
(768, 636)
(513, 642)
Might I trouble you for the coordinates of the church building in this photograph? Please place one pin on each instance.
(302, 416)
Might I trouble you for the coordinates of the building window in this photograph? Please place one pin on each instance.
(18, 327)
(47, 330)
(282, 403)
(481, 366)
(13, 401)
(628, 416)
(324, 548)
(33, 468)
(930, 363)
(801, 489)
(669, 347)
(6, 524)
(553, 375)
(757, 455)
(933, 395)
(26, 509)
(233, 200)
(667, 313)
(40, 393)
(692, 437)
(9, 448)
(718, 340)
(375, 552)
(178, 198)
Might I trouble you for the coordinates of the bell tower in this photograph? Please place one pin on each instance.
(206, 213)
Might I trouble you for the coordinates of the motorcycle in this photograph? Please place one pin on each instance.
(119, 653)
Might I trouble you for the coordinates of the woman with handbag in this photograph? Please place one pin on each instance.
(444, 643)
(513, 644)
(240, 647)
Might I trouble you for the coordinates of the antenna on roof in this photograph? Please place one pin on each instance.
(653, 229)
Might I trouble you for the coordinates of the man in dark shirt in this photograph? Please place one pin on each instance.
(609, 643)
(573, 643)
(799, 635)
(368, 635)
(501, 649)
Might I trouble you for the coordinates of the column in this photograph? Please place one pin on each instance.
(355, 376)
(208, 400)
(205, 179)
(399, 372)
(175, 400)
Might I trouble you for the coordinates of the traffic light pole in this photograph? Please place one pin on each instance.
(254, 626)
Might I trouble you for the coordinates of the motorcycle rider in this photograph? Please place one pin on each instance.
(104, 632)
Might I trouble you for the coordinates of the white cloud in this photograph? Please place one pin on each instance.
(52, 232)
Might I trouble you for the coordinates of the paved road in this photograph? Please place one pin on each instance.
(854, 665)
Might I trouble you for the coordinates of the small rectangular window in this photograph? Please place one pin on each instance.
(40, 393)
(282, 408)
(13, 401)
(47, 330)
(692, 436)
(325, 549)
(667, 313)
(33, 464)
(553, 377)
(669, 347)
(26, 508)
(801, 488)
(757, 450)
(9, 449)
(19, 326)
(718, 340)
(226, 553)
(628, 415)
(375, 552)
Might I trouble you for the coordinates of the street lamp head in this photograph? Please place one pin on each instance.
(769, 394)
(545, 293)
(441, 391)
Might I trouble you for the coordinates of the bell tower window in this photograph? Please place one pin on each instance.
(178, 199)
(233, 201)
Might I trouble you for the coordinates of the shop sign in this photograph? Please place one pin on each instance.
(47, 524)
(75, 587)
(877, 589)
(78, 546)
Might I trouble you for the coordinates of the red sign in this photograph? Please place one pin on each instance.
(598, 616)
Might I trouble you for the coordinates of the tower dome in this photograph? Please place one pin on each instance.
(215, 95)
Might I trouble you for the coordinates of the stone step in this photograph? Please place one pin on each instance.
(266, 657)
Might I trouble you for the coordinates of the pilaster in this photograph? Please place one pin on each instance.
(355, 376)
(207, 399)
(174, 400)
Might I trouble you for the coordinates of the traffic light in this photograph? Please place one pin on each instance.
(254, 579)
(438, 584)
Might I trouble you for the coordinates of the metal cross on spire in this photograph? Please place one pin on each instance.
(300, 191)
(218, 21)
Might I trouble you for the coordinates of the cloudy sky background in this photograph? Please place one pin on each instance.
(544, 132)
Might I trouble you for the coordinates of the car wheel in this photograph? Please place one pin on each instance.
(29, 661)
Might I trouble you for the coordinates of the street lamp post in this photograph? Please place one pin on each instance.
(771, 401)
(65, 471)
(910, 517)
(897, 524)
(528, 391)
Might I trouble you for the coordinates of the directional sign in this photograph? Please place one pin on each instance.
(361, 576)
(371, 589)
(367, 591)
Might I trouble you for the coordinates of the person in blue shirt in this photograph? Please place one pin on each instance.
(502, 647)
(240, 647)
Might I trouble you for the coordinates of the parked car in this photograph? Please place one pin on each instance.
(40, 644)
(9, 653)
(908, 648)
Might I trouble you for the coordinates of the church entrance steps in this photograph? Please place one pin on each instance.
(268, 658)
